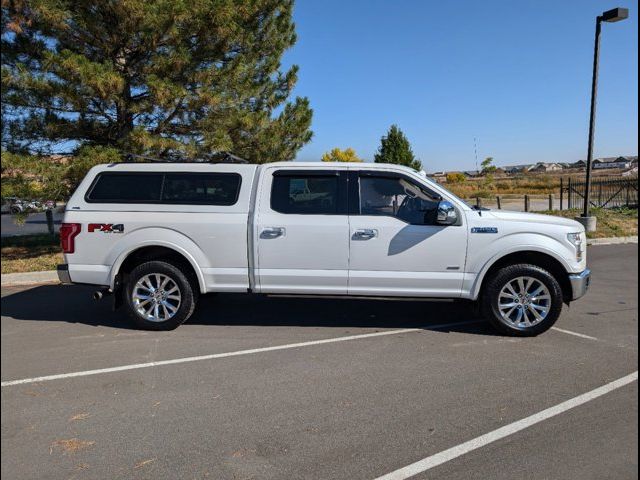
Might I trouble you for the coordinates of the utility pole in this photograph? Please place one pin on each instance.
(475, 151)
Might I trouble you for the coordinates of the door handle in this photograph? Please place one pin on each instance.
(365, 234)
(272, 232)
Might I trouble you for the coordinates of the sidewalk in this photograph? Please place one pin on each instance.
(51, 276)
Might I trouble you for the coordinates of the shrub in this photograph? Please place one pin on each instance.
(455, 177)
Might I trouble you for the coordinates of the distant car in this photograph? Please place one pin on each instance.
(15, 205)
(12, 205)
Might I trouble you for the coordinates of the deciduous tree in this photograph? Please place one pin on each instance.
(488, 166)
(337, 155)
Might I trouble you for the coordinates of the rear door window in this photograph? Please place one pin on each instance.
(305, 194)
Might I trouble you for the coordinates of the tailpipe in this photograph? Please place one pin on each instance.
(99, 294)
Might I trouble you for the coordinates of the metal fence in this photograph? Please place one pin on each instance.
(606, 192)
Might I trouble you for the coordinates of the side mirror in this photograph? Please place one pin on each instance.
(447, 213)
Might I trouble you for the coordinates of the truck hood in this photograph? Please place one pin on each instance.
(533, 218)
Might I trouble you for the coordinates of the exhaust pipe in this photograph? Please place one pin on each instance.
(99, 294)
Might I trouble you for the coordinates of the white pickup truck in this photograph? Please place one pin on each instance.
(156, 235)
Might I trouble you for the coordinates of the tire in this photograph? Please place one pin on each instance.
(171, 312)
(501, 301)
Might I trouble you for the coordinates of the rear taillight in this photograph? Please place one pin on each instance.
(68, 233)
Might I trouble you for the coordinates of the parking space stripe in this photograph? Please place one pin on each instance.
(428, 463)
(575, 334)
(230, 354)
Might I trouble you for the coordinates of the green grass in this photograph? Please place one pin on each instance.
(30, 253)
(612, 222)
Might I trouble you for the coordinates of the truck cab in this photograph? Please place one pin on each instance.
(158, 235)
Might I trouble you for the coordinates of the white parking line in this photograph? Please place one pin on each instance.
(428, 463)
(575, 334)
(229, 354)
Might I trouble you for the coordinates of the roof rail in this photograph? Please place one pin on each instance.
(218, 157)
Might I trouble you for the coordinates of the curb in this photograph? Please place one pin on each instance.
(612, 240)
(51, 276)
(29, 278)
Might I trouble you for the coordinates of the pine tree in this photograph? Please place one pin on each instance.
(395, 148)
(158, 77)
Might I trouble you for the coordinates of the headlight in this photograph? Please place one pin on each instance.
(577, 240)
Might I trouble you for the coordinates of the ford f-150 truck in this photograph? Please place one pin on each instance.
(157, 235)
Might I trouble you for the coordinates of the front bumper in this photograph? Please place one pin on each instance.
(63, 273)
(580, 283)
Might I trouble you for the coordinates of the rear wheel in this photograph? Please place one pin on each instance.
(158, 296)
(522, 300)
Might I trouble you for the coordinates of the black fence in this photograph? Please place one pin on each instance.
(606, 192)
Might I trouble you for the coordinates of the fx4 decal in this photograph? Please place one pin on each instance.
(106, 227)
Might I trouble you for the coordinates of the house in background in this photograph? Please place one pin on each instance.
(612, 162)
(515, 169)
(578, 164)
(545, 167)
(440, 177)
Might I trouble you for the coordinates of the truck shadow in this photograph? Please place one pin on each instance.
(73, 304)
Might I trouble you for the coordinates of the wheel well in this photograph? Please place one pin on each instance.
(542, 260)
(145, 254)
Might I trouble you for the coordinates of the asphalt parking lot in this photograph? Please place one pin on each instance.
(358, 406)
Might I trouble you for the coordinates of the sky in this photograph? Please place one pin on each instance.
(515, 75)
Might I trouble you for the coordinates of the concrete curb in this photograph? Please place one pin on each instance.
(612, 240)
(29, 278)
(51, 276)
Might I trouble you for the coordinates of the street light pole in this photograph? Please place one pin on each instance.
(592, 116)
(614, 15)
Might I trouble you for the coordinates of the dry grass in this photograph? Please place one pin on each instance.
(614, 222)
(70, 446)
(80, 416)
(143, 463)
(30, 253)
(519, 185)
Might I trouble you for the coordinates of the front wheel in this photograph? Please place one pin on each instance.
(522, 300)
(158, 296)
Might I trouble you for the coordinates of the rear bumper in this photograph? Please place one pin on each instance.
(84, 274)
(580, 283)
(63, 273)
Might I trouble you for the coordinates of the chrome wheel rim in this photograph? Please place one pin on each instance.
(156, 297)
(524, 302)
